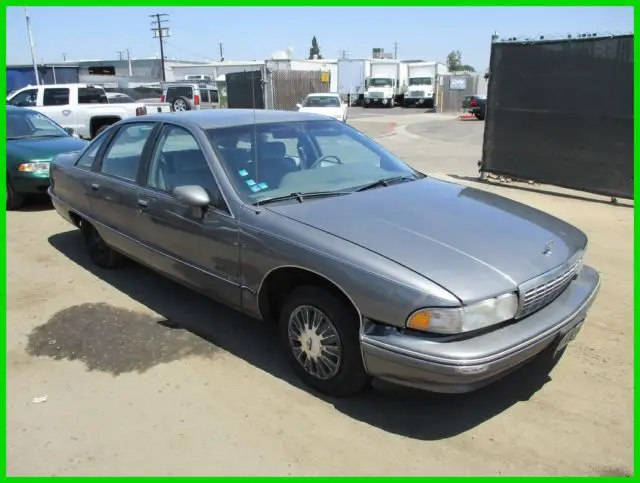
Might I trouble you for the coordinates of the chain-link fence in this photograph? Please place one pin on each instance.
(290, 87)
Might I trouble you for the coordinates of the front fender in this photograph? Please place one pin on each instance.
(381, 289)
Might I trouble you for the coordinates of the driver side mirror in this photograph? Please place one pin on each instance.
(299, 106)
(69, 130)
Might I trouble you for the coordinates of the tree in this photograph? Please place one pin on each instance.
(454, 62)
(315, 49)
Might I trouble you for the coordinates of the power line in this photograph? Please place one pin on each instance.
(160, 31)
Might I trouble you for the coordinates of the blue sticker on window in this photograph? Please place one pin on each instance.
(250, 182)
(254, 188)
(262, 186)
(243, 172)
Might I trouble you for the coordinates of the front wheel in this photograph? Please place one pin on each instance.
(320, 334)
(14, 200)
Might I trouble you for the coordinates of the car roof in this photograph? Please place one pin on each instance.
(324, 94)
(221, 118)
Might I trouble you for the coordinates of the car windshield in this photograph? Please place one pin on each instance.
(380, 82)
(25, 123)
(420, 81)
(267, 161)
(321, 101)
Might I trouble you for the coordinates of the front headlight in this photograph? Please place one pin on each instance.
(467, 318)
(35, 166)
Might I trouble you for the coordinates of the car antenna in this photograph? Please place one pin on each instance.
(255, 136)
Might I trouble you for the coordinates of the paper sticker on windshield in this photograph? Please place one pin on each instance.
(243, 172)
(250, 182)
(254, 188)
(262, 186)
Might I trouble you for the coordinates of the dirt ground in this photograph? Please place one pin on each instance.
(144, 377)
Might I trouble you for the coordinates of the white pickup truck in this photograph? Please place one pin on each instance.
(81, 107)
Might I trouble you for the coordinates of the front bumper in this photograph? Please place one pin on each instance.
(30, 183)
(460, 366)
(378, 101)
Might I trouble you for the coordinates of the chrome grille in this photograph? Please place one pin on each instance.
(416, 94)
(537, 297)
(376, 94)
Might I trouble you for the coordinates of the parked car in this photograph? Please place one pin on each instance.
(183, 96)
(368, 267)
(327, 104)
(81, 107)
(476, 105)
(33, 140)
(119, 98)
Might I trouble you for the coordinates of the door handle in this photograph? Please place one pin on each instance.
(95, 186)
(143, 203)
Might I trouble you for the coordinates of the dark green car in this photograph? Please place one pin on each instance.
(33, 140)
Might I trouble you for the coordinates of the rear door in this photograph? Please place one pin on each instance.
(114, 188)
(199, 249)
(59, 103)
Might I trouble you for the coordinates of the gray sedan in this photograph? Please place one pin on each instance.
(368, 267)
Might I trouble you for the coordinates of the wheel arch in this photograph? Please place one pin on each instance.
(280, 281)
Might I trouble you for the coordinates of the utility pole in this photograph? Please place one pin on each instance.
(64, 56)
(395, 50)
(160, 31)
(344, 54)
(120, 54)
(33, 51)
(129, 62)
(221, 51)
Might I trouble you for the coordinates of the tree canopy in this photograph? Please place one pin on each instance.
(454, 62)
(315, 49)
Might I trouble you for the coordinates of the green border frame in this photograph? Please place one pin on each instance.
(277, 3)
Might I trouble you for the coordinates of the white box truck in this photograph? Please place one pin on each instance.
(422, 77)
(382, 85)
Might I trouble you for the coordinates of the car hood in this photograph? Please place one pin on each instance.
(473, 243)
(28, 149)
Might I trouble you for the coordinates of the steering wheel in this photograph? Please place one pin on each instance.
(335, 160)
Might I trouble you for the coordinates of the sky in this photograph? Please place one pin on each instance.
(427, 33)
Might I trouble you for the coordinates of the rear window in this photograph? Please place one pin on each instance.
(214, 96)
(179, 91)
(91, 95)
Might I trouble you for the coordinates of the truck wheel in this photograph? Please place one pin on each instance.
(180, 104)
(99, 252)
(320, 335)
(14, 200)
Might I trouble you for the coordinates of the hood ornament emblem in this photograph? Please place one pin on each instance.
(547, 248)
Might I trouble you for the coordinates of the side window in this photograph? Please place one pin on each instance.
(89, 156)
(55, 97)
(25, 98)
(122, 158)
(179, 161)
(91, 95)
(205, 96)
(214, 97)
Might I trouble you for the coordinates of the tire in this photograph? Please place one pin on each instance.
(180, 104)
(14, 200)
(99, 252)
(349, 376)
(101, 129)
(392, 104)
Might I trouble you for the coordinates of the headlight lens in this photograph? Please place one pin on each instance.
(35, 166)
(464, 319)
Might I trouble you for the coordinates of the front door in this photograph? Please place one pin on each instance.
(198, 248)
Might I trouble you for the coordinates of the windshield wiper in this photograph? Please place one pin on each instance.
(300, 196)
(386, 182)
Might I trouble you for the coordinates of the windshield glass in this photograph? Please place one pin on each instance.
(380, 82)
(25, 123)
(420, 81)
(322, 101)
(278, 159)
